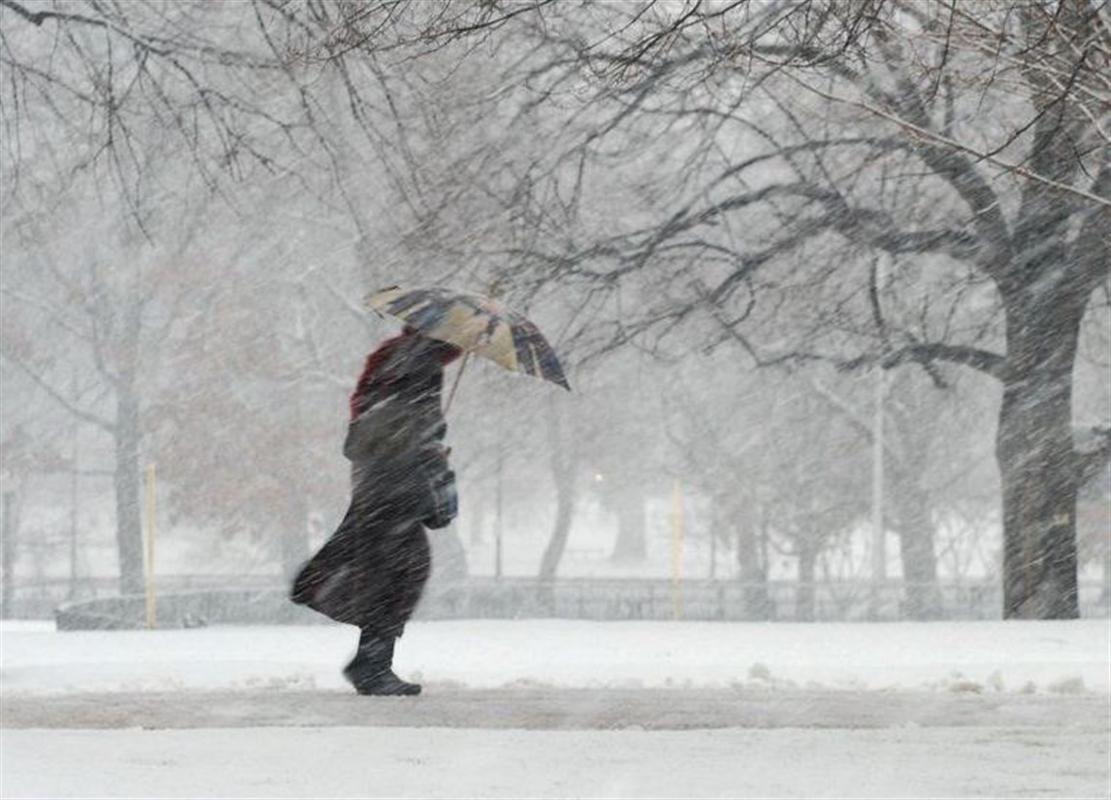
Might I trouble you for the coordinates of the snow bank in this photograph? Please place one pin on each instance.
(945, 656)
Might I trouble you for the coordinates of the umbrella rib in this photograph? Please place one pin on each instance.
(455, 384)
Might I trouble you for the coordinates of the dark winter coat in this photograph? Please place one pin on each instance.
(372, 570)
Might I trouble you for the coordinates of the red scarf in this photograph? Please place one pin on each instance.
(371, 377)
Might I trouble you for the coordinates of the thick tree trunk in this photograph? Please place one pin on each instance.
(129, 523)
(916, 550)
(753, 576)
(1037, 462)
(631, 545)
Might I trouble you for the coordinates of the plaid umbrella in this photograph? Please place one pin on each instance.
(476, 324)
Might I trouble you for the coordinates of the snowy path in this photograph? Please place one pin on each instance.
(555, 708)
(440, 762)
(551, 709)
(548, 742)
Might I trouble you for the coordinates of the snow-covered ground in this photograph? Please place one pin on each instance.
(551, 708)
(971, 656)
(431, 762)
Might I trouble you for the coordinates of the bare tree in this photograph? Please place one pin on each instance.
(738, 169)
(70, 313)
(784, 475)
(259, 398)
(162, 109)
(932, 464)
(793, 143)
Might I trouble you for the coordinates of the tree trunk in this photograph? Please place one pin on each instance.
(561, 529)
(631, 544)
(753, 575)
(562, 460)
(804, 592)
(129, 523)
(1037, 462)
(916, 551)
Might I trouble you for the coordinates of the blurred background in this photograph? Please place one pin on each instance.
(776, 307)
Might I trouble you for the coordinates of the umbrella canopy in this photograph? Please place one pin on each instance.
(475, 323)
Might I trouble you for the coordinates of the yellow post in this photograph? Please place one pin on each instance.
(151, 530)
(677, 551)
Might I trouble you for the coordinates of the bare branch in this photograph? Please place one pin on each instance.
(933, 137)
(55, 395)
(923, 353)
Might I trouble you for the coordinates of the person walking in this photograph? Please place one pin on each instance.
(372, 570)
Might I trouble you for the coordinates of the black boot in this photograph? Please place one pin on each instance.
(371, 671)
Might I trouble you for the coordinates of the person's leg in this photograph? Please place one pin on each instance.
(406, 557)
(371, 671)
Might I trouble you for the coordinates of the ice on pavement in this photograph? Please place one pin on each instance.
(1013, 656)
